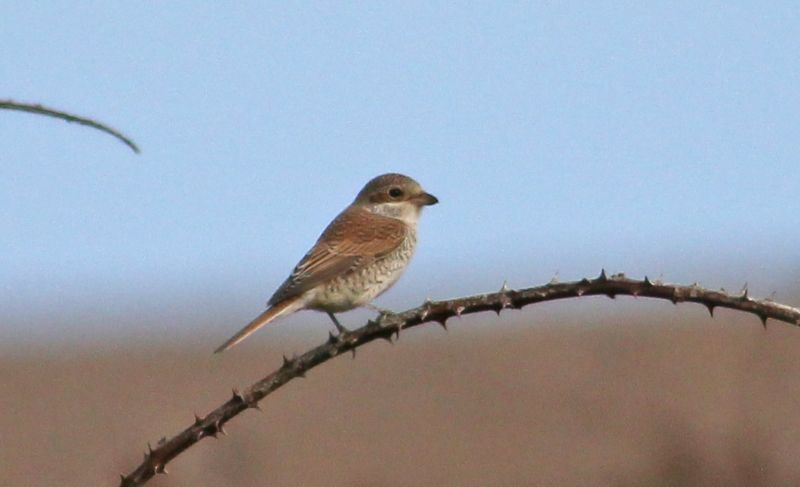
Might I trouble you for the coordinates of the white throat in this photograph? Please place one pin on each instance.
(403, 210)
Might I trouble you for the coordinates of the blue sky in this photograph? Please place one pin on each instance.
(651, 138)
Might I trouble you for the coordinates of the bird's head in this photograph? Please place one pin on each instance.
(396, 196)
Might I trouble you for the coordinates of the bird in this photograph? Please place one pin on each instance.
(360, 254)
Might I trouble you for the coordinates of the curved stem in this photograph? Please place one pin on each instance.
(439, 311)
(50, 112)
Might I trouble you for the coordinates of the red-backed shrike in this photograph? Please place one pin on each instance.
(360, 255)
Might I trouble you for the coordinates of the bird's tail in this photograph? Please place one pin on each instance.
(279, 309)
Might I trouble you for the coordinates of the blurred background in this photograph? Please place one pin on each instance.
(654, 139)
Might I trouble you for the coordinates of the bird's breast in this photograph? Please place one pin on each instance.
(364, 283)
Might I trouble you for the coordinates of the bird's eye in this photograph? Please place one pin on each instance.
(395, 192)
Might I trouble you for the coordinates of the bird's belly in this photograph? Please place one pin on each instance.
(359, 287)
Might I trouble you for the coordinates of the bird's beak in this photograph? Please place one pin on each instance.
(425, 199)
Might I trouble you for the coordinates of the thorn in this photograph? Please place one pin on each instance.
(237, 396)
(354, 352)
(504, 287)
(710, 308)
(161, 469)
(580, 291)
(286, 362)
(149, 449)
(459, 310)
(442, 322)
(611, 295)
(763, 318)
(554, 280)
(388, 338)
(332, 339)
(211, 430)
(647, 282)
(745, 293)
(602, 277)
(197, 420)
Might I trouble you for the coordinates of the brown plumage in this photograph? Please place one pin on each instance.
(354, 239)
(359, 255)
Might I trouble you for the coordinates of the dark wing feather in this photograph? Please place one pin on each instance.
(353, 239)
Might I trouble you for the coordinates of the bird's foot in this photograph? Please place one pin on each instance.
(341, 329)
(383, 313)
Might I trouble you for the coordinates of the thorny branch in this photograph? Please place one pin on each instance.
(386, 326)
(50, 112)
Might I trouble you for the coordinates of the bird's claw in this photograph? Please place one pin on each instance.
(383, 313)
(341, 329)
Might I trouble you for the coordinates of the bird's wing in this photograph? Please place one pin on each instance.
(353, 239)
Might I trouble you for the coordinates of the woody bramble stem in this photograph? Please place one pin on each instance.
(384, 328)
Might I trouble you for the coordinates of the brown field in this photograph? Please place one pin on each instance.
(610, 394)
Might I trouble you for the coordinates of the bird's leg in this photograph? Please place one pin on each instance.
(382, 312)
(342, 330)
